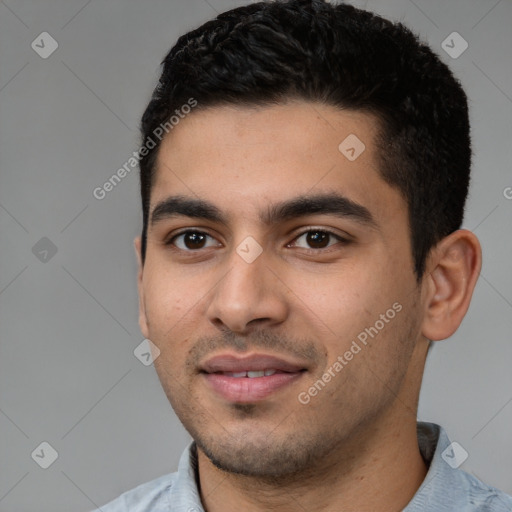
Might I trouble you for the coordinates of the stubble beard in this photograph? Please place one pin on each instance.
(291, 444)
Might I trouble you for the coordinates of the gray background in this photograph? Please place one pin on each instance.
(68, 321)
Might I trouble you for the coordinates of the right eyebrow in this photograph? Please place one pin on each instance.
(175, 206)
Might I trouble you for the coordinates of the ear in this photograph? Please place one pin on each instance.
(452, 271)
(143, 323)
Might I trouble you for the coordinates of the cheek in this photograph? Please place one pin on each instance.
(167, 298)
(342, 301)
(359, 317)
(169, 312)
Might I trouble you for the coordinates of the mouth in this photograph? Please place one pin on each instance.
(249, 379)
(251, 374)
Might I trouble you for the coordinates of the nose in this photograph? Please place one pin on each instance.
(249, 295)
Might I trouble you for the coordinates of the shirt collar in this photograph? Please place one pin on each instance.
(184, 494)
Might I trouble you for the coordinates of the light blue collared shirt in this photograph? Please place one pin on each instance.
(445, 488)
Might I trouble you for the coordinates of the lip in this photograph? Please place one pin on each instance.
(254, 362)
(249, 389)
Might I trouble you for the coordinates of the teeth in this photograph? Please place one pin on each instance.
(260, 373)
(251, 374)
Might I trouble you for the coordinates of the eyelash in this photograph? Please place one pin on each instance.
(339, 238)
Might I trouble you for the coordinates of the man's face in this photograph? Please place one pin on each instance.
(286, 254)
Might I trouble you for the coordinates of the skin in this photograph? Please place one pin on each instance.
(353, 447)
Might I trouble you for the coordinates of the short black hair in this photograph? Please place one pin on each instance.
(268, 53)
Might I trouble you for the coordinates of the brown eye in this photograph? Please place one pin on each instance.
(193, 240)
(317, 239)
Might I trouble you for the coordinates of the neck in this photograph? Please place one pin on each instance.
(379, 470)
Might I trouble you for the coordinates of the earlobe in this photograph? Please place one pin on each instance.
(455, 265)
(143, 324)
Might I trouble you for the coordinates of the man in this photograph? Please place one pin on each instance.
(304, 171)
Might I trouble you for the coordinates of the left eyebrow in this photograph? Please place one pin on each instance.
(301, 206)
(323, 204)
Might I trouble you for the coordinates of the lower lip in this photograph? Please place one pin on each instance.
(247, 389)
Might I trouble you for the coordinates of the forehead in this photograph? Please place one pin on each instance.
(240, 158)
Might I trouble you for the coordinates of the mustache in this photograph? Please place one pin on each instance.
(303, 349)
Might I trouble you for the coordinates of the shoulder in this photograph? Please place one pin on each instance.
(173, 491)
(150, 496)
(457, 490)
(446, 486)
(483, 497)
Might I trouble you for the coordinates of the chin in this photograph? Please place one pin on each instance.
(261, 456)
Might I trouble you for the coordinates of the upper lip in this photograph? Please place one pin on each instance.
(254, 362)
